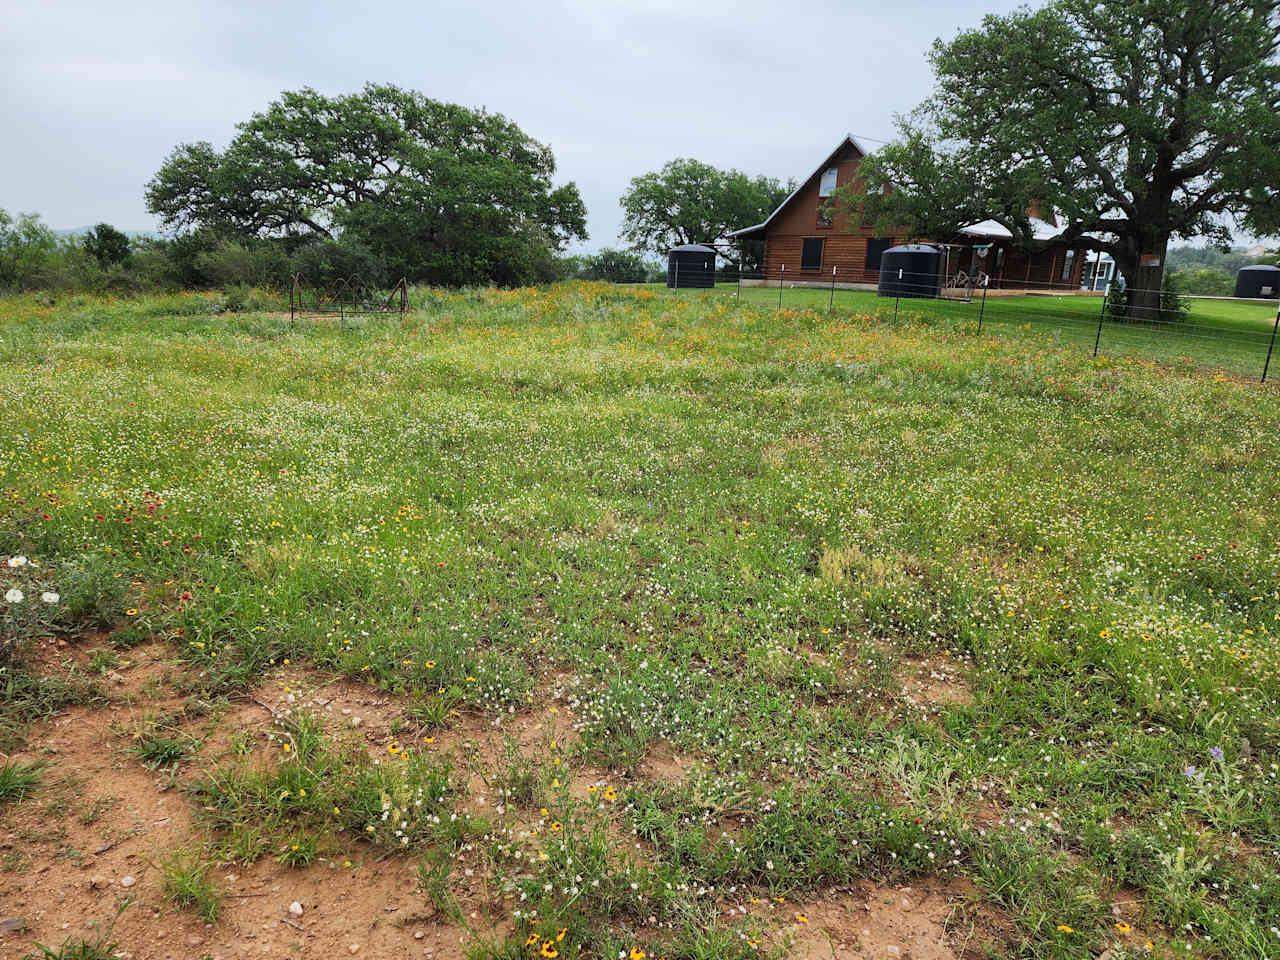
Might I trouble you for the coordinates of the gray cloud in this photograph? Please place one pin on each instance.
(96, 96)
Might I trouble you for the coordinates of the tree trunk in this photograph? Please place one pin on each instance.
(1145, 281)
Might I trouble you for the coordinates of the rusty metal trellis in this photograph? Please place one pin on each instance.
(346, 297)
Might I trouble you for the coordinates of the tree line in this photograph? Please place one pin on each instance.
(1135, 121)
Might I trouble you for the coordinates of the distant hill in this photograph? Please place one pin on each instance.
(1195, 258)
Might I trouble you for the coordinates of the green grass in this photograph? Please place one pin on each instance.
(189, 886)
(720, 529)
(100, 948)
(158, 749)
(1233, 335)
(18, 779)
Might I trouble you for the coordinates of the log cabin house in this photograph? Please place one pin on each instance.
(809, 244)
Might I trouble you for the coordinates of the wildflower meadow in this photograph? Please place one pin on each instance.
(590, 622)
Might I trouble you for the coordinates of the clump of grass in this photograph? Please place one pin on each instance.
(520, 781)
(18, 779)
(158, 750)
(431, 709)
(27, 697)
(305, 785)
(189, 886)
(100, 948)
(298, 851)
(102, 662)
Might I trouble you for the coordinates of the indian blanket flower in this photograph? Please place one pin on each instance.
(14, 595)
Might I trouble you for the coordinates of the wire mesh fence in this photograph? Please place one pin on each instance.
(1235, 334)
(346, 297)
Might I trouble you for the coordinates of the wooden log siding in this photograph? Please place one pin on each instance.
(847, 251)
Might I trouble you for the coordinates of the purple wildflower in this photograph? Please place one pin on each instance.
(1215, 752)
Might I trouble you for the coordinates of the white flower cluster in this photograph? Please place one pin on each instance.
(14, 594)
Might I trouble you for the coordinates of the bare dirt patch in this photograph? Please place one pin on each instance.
(928, 921)
(92, 837)
(936, 681)
(663, 765)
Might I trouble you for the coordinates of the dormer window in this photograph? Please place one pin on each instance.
(828, 184)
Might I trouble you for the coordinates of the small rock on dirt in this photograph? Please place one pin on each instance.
(128, 881)
(295, 909)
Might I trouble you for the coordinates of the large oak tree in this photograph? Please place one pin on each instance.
(1136, 120)
(438, 191)
(688, 201)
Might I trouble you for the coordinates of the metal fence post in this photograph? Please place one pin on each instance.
(677, 279)
(739, 293)
(832, 299)
(781, 273)
(897, 293)
(982, 307)
(1271, 346)
(1106, 295)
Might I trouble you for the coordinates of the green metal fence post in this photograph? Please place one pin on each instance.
(1271, 346)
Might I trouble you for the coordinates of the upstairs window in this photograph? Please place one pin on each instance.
(811, 254)
(828, 185)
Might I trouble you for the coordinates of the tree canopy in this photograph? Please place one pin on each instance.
(688, 201)
(437, 191)
(107, 245)
(1135, 120)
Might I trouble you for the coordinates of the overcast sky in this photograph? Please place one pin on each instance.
(97, 94)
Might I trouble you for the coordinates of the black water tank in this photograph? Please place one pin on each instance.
(691, 265)
(919, 263)
(1259, 280)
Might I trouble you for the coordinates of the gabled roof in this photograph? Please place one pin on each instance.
(848, 140)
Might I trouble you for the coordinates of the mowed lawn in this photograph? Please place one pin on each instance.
(1216, 331)
(907, 605)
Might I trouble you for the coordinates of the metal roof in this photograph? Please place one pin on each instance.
(1040, 230)
(848, 139)
(692, 248)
